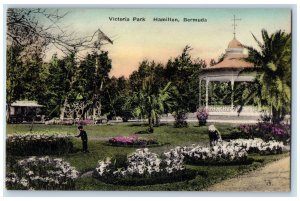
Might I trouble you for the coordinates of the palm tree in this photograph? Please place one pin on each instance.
(151, 103)
(272, 85)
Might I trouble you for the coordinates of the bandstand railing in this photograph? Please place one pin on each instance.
(229, 108)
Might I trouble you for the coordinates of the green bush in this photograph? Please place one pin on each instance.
(180, 120)
(29, 145)
(158, 178)
(233, 133)
(245, 161)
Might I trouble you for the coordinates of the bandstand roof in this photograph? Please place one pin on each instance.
(234, 43)
(230, 62)
(234, 57)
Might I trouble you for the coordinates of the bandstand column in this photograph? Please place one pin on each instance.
(232, 93)
(200, 79)
(206, 93)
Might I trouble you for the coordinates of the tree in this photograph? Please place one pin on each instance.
(92, 73)
(27, 38)
(116, 94)
(25, 77)
(29, 32)
(61, 79)
(152, 105)
(219, 93)
(184, 72)
(146, 69)
(33, 29)
(84, 83)
(273, 66)
(151, 100)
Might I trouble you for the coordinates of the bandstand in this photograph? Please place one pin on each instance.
(228, 70)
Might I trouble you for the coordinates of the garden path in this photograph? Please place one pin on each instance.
(274, 177)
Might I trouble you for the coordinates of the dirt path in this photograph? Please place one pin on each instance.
(274, 177)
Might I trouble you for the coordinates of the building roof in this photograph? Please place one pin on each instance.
(234, 57)
(26, 103)
(234, 43)
(233, 62)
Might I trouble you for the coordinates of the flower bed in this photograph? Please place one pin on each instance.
(144, 167)
(219, 154)
(26, 145)
(257, 145)
(85, 122)
(42, 173)
(132, 140)
(266, 130)
(232, 152)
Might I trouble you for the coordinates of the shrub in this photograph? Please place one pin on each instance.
(267, 131)
(42, 173)
(132, 140)
(248, 130)
(180, 120)
(234, 133)
(202, 116)
(28, 145)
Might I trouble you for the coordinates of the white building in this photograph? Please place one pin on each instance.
(228, 70)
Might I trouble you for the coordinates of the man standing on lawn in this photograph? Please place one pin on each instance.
(84, 139)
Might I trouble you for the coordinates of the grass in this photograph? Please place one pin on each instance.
(99, 134)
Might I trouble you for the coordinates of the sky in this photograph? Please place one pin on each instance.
(159, 41)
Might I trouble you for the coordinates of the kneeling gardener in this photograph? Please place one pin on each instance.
(84, 139)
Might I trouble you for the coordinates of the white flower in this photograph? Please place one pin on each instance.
(167, 154)
(63, 171)
(169, 170)
(168, 161)
(30, 173)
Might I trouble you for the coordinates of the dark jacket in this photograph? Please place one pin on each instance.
(83, 135)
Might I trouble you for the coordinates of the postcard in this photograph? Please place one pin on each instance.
(148, 99)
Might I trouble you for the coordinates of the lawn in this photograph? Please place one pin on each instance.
(99, 134)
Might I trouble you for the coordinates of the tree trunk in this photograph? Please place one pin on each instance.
(94, 110)
(96, 97)
(8, 113)
(276, 116)
(99, 99)
(150, 120)
(157, 120)
(85, 112)
(63, 109)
